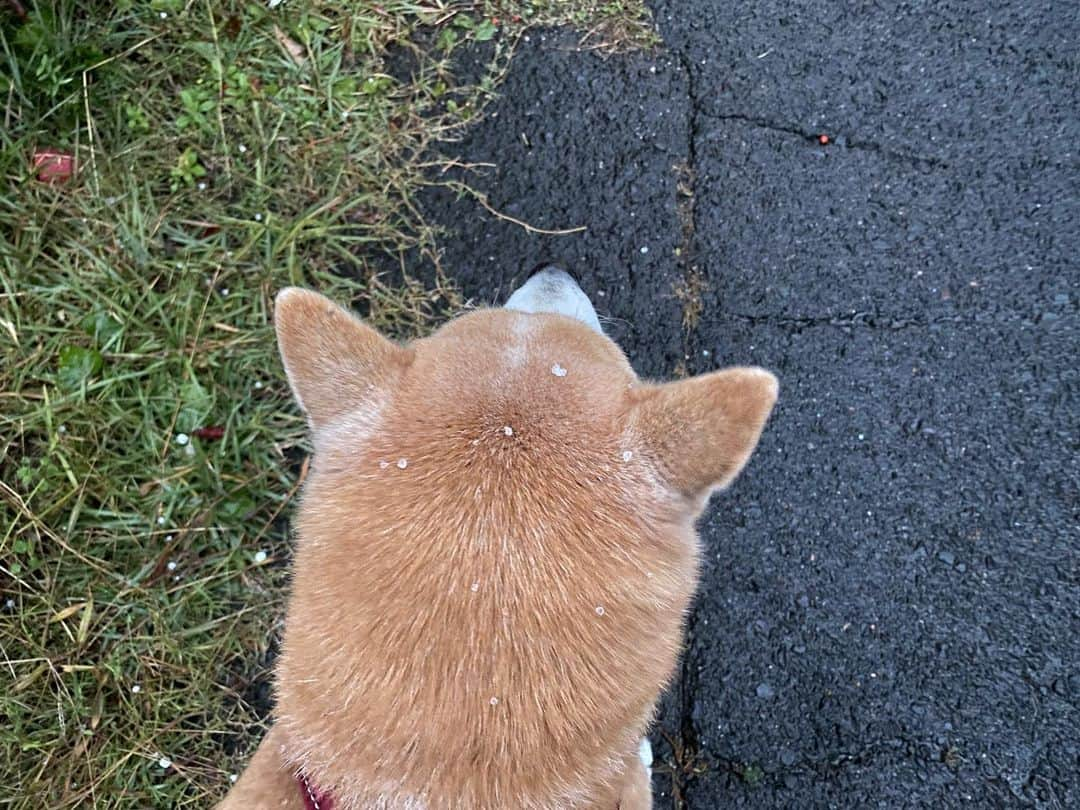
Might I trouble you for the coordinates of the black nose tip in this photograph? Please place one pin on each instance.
(540, 268)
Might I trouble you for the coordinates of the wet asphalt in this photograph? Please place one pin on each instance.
(889, 613)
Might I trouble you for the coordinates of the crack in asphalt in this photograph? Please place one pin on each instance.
(835, 141)
(686, 205)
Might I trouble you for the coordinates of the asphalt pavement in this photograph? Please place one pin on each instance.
(890, 608)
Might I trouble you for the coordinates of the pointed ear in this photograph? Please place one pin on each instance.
(334, 362)
(701, 431)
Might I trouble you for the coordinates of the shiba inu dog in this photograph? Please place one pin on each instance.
(494, 555)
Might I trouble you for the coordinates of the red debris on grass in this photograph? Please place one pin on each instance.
(53, 166)
(209, 434)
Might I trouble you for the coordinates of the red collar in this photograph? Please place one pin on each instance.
(314, 799)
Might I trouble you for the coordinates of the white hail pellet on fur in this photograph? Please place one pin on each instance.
(494, 701)
(627, 455)
(384, 464)
(475, 587)
(599, 610)
(558, 370)
(509, 431)
(402, 463)
(233, 777)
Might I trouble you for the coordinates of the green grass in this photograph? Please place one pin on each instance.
(223, 151)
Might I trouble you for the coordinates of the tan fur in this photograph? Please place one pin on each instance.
(493, 561)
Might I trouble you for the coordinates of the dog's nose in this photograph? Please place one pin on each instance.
(552, 289)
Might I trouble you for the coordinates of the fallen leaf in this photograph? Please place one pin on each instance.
(70, 610)
(291, 46)
(10, 327)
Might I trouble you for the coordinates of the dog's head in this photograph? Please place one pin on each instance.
(495, 546)
(536, 382)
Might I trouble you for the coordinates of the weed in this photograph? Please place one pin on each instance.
(690, 292)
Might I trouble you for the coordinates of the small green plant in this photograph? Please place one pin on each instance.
(751, 774)
(136, 118)
(198, 102)
(187, 169)
(238, 88)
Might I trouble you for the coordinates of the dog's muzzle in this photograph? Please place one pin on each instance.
(552, 289)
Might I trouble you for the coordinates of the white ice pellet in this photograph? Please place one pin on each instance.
(136, 689)
(627, 455)
(384, 464)
(475, 587)
(644, 250)
(260, 556)
(494, 701)
(161, 520)
(182, 439)
(171, 565)
(599, 610)
(164, 762)
(509, 431)
(558, 370)
(402, 463)
(233, 777)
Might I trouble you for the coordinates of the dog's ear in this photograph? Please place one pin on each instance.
(701, 431)
(335, 363)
